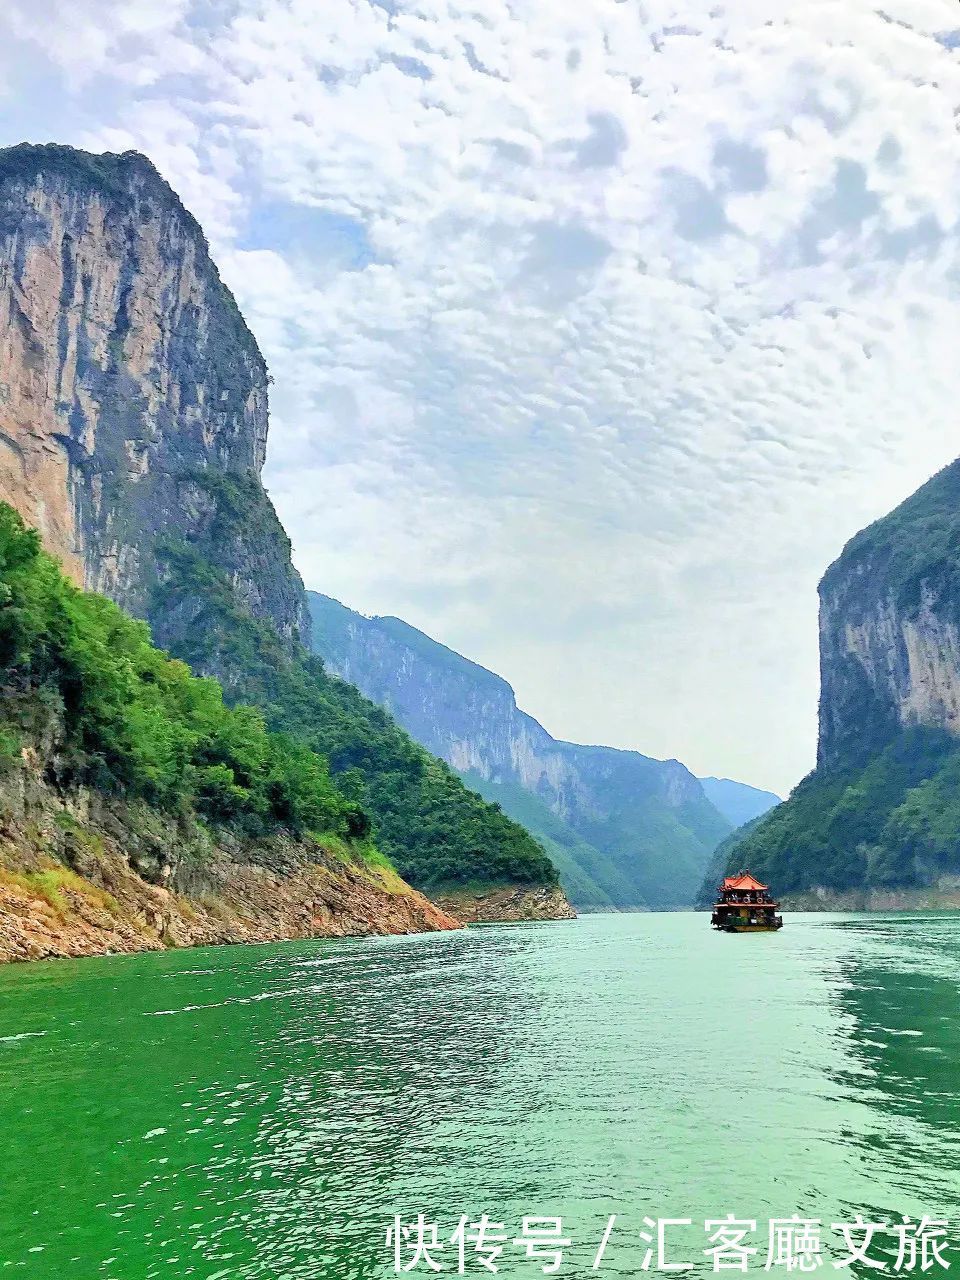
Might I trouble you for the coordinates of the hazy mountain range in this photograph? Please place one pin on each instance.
(625, 830)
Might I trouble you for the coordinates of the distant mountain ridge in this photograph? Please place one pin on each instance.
(738, 802)
(624, 830)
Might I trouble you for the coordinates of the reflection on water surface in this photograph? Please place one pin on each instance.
(264, 1112)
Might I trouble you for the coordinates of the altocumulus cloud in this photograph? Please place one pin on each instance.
(597, 327)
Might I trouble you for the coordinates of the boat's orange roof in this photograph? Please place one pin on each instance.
(743, 881)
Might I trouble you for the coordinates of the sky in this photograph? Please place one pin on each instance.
(597, 327)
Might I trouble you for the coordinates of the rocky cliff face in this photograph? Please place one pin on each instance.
(133, 398)
(82, 874)
(133, 426)
(469, 717)
(644, 826)
(890, 627)
(877, 825)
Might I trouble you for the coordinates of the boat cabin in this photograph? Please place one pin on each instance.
(744, 905)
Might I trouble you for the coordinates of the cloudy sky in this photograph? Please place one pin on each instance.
(597, 326)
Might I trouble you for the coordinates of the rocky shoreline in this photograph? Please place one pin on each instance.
(939, 897)
(50, 914)
(507, 904)
(83, 876)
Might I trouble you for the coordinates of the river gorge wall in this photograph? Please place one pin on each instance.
(885, 665)
(626, 830)
(133, 431)
(877, 826)
(128, 381)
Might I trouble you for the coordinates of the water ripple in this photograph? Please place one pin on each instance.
(633, 1065)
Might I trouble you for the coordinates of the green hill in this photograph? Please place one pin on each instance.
(128, 719)
(435, 830)
(591, 879)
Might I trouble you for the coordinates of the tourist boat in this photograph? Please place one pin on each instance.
(744, 905)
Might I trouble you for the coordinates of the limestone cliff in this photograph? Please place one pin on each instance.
(877, 825)
(890, 626)
(133, 427)
(133, 398)
(625, 830)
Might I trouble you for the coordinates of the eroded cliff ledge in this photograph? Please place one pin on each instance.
(133, 397)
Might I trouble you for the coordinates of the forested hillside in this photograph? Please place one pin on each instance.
(128, 719)
(626, 831)
(433, 828)
(138, 810)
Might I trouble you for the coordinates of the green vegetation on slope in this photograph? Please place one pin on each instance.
(592, 880)
(642, 829)
(624, 830)
(633, 873)
(915, 547)
(891, 823)
(130, 719)
(882, 811)
(434, 829)
(722, 862)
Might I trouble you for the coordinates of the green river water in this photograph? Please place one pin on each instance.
(266, 1111)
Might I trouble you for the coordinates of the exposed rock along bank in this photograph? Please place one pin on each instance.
(81, 875)
(506, 905)
(250, 905)
(939, 897)
(88, 877)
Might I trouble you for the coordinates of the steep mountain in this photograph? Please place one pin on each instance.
(138, 811)
(890, 627)
(738, 802)
(878, 822)
(133, 391)
(625, 830)
(133, 427)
